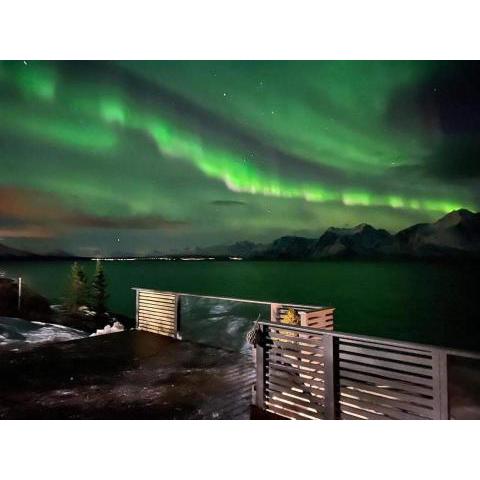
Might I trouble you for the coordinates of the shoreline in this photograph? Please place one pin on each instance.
(37, 308)
(427, 260)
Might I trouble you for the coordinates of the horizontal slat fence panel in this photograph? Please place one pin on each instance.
(314, 317)
(157, 312)
(293, 372)
(322, 318)
(382, 381)
(318, 374)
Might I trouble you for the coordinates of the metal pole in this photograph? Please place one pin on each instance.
(19, 292)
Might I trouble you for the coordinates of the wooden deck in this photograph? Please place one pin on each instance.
(129, 375)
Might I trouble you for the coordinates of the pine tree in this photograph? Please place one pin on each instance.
(78, 289)
(99, 290)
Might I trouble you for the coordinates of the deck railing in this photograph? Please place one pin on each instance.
(160, 311)
(312, 372)
(305, 373)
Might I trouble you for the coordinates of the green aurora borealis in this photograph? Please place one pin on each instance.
(144, 156)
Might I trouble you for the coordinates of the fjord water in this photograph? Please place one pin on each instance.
(435, 303)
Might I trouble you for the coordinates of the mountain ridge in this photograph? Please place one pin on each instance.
(456, 234)
(11, 252)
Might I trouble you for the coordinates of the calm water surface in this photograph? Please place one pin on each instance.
(430, 303)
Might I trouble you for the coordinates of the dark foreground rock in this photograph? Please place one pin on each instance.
(129, 375)
(33, 305)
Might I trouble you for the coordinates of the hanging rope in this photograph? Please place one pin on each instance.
(254, 335)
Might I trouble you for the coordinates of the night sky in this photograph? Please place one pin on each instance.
(105, 157)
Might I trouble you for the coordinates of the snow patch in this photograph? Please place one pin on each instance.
(18, 331)
(115, 328)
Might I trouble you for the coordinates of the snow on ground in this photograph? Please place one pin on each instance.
(116, 327)
(18, 331)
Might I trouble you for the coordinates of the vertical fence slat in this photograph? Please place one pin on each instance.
(273, 311)
(440, 385)
(260, 366)
(177, 315)
(331, 376)
(436, 387)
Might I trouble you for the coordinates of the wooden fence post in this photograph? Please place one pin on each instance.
(260, 370)
(440, 384)
(444, 409)
(273, 311)
(330, 352)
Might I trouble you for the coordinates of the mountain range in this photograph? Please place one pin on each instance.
(457, 234)
(9, 252)
(15, 253)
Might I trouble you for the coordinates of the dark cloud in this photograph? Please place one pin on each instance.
(141, 222)
(445, 108)
(447, 101)
(412, 110)
(457, 97)
(457, 158)
(228, 203)
(30, 212)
